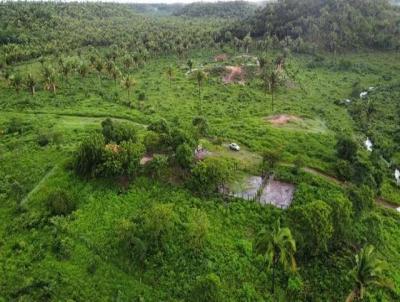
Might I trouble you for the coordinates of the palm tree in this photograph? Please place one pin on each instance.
(128, 82)
(200, 77)
(368, 271)
(31, 83)
(170, 74)
(246, 42)
(190, 65)
(115, 73)
(277, 247)
(83, 69)
(272, 80)
(49, 78)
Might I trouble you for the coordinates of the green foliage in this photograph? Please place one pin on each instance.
(313, 228)
(184, 156)
(210, 175)
(118, 132)
(197, 229)
(346, 148)
(59, 202)
(362, 198)
(89, 155)
(207, 289)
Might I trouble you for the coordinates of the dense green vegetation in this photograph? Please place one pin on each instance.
(333, 25)
(102, 197)
(229, 9)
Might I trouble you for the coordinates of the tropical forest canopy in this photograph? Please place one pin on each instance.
(224, 151)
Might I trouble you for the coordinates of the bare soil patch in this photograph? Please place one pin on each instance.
(234, 74)
(145, 159)
(221, 58)
(277, 193)
(282, 119)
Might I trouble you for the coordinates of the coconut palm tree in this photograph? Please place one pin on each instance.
(128, 82)
(170, 75)
(369, 271)
(190, 65)
(83, 69)
(31, 83)
(200, 76)
(49, 78)
(277, 247)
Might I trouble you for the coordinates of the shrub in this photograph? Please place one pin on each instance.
(157, 166)
(197, 229)
(118, 132)
(313, 227)
(89, 155)
(210, 175)
(152, 142)
(361, 197)
(59, 202)
(184, 156)
(43, 139)
(207, 289)
(346, 148)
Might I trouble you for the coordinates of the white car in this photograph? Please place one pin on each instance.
(234, 147)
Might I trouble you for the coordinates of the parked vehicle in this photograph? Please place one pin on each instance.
(234, 147)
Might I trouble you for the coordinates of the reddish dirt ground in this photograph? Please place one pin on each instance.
(221, 58)
(282, 119)
(235, 74)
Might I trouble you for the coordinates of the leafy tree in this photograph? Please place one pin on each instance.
(277, 247)
(368, 271)
(210, 175)
(312, 226)
(152, 142)
(346, 148)
(269, 161)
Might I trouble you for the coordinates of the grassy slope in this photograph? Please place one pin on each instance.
(25, 251)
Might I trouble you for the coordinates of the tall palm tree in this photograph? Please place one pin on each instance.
(277, 247)
(128, 82)
(31, 83)
(200, 77)
(83, 69)
(170, 75)
(49, 78)
(190, 65)
(369, 270)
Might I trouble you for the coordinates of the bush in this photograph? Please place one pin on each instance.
(43, 140)
(184, 156)
(118, 132)
(89, 155)
(207, 289)
(210, 175)
(346, 148)
(361, 197)
(60, 203)
(152, 142)
(157, 166)
(197, 229)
